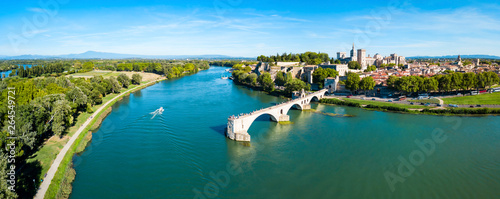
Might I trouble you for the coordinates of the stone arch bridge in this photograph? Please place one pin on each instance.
(237, 126)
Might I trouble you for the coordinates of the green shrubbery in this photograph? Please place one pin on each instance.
(340, 102)
(388, 108)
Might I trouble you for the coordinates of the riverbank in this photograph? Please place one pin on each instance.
(411, 109)
(54, 176)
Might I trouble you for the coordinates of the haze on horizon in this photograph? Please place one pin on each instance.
(249, 28)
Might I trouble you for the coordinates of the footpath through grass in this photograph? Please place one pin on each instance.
(49, 150)
(483, 99)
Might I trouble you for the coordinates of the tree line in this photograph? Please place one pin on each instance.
(169, 68)
(39, 70)
(310, 58)
(46, 107)
(355, 83)
(443, 83)
(243, 75)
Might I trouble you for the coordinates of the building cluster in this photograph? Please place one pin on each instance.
(365, 61)
(394, 65)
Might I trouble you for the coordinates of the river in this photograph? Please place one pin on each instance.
(183, 153)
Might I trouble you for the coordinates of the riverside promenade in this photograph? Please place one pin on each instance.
(42, 190)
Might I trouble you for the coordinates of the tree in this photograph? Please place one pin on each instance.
(491, 78)
(445, 83)
(354, 65)
(247, 69)
(62, 116)
(88, 66)
(403, 84)
(391, 81)
(136, 79)
(456, 81)
(124, 80)
(280, 79)
(96, 97)
(469, 81)
(352, 82)
(371, 68)
(320, 74)
(77, 96)
(266, 82)
(251, 79)
(367, 83)
(189, 67)
(115, 86)
(296, 85)
(430, 84)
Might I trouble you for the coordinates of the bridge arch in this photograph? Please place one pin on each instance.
(249, 124)
(237, 128)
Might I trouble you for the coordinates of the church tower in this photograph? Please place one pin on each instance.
(354, 57)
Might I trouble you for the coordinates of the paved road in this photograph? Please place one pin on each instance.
(55, 165)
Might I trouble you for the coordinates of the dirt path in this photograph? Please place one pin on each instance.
(440, 101)
(55, 165)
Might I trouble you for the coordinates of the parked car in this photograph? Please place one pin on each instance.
(453, 105)
(363, 98)
(479, 105)
(412, 103)
(471, 106)
(422, 103)
(428, 104)
(389, 100)
(439, 105)
(373, 99)
(348, 96)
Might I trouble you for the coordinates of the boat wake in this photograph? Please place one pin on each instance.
(157, 112)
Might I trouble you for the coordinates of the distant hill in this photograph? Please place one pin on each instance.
(106, 55)
(455, 56)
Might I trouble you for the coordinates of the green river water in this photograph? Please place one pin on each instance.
(183, 153)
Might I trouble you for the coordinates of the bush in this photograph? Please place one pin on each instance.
(388, 108)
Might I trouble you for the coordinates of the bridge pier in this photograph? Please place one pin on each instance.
(282, 118)
(306, 107)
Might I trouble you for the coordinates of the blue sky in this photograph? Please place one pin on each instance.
(249, 28)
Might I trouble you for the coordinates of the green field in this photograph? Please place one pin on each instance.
(485, 99)
(378, 103)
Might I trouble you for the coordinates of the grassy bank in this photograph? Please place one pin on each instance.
(483, 99)
(378, 103)
(390, 107)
